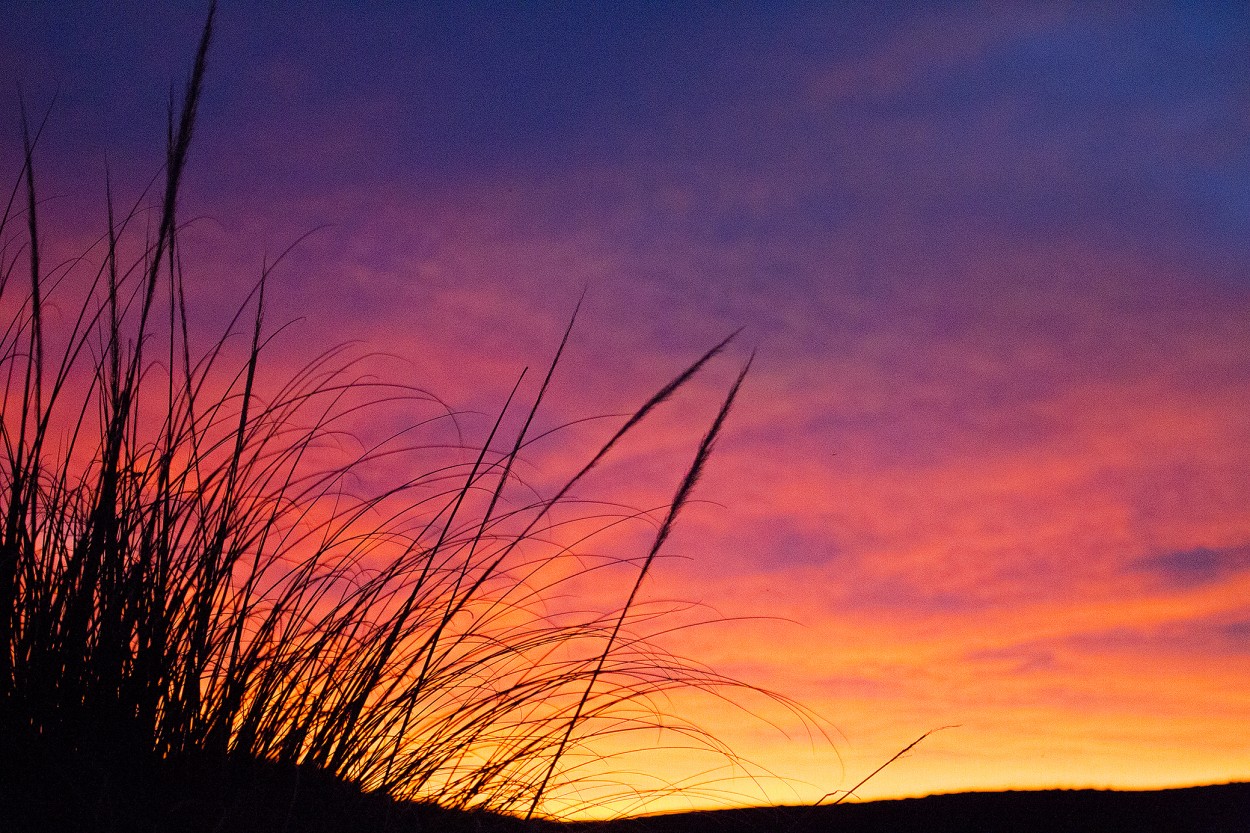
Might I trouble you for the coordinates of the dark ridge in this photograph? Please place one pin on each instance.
(1222, 808)
(212, 795)
(208, 795)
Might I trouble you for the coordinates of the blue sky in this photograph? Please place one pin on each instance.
(995, 260)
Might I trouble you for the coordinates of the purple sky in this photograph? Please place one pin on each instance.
(992, 458)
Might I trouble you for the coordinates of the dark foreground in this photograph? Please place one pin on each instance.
(266, 799)
(1215, 809)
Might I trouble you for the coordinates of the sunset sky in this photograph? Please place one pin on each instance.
(991, 466)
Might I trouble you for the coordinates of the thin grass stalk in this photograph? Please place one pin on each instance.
(679, 501)
(182, 578)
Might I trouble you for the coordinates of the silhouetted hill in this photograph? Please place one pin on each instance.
(1214, 809)
(259, 797)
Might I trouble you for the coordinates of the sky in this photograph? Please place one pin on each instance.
(989, 466)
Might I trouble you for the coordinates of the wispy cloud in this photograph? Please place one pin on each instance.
(1183, 569)
(991, 459)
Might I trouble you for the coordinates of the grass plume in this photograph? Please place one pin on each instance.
(186, 585)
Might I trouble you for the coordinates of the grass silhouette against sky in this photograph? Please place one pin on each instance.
(201, 575)
(992, 453)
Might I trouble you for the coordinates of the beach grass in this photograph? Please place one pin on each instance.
(199, 598)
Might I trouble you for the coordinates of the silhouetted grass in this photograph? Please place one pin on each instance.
(193, 604)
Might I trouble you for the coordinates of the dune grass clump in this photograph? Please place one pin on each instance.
(189, 590)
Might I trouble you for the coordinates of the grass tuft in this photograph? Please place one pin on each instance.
(193, 598)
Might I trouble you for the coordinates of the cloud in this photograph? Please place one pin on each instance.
(1221, 635)
(996, 273)
(1184, 569)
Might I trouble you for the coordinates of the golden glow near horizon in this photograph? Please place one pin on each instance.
(989, 468)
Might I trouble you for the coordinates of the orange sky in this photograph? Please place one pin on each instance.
(989, 467)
